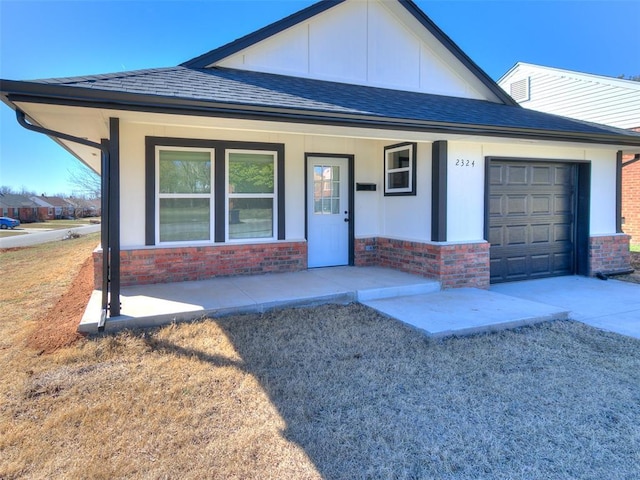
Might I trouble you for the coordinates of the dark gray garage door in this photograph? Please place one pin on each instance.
(531, 220)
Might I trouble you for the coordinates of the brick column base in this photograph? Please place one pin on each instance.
(609, 253)
(453, 265)
(179, 264)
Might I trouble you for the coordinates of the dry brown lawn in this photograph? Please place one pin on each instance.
(635, 263)
(329, 392)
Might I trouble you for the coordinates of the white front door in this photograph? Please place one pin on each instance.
(327, 211)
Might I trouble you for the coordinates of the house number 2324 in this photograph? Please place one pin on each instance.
(460, 162)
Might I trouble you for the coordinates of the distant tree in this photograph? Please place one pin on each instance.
(633, 78)
(26, 192)
(6, 189)
(86, 181)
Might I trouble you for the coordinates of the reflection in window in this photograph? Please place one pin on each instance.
(326, 190)
(250, 195)
(184, 194)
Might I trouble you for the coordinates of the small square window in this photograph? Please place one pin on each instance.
(400, 169)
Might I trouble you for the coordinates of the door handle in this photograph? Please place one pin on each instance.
(346, 219)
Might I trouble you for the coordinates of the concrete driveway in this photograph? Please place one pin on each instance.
(36, 238)
(610, 305)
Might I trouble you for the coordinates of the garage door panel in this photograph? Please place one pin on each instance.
(496, 235)
(541, 204)
(517, 175)
(516, 268)
(563, 204)
(540, 264)
(542, 175)
(540, 233)
(563, 232)
(496, 205)
(532, 220)
(563, 175)
(563, 263)
(516, 234)
(496, 175)
(516, 205)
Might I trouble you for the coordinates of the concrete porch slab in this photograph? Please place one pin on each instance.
(465, 311)
(158, 304)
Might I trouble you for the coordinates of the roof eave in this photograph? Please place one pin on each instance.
(458, 52)
(13, 92)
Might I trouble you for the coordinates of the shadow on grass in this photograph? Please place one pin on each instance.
(366, 397)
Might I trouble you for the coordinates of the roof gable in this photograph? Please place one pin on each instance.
(389, 44)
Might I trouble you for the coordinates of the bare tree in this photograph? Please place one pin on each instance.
(634, 78)
(87, 182)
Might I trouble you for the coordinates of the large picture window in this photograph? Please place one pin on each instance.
(203, 191)
(251, 194)
(400, 169)
(185, 194)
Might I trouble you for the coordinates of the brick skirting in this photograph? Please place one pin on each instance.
(164, 265)
(609, 253)
(453, 265)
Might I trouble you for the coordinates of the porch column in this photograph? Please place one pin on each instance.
(104, 228)
(113, 218)
(439, 191)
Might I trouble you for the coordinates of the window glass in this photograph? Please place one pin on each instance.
(400, 168)
(250, 218)
(185, 171)
(397, 180)
(399, 159)
(326, 190)
(185, 219)
(251, 173)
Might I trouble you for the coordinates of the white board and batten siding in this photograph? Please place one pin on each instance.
(366, 42)
(593, 98)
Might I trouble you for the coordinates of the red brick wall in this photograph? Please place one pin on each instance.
(609, 253)
(631, 200)
(455, 266)
(163, 265)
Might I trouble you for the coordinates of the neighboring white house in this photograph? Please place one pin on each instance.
(353, 132)
(592, 98)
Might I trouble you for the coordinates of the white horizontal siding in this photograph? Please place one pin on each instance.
(585, 97)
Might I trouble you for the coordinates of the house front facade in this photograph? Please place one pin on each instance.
(22, 208)
(350, 133)
(593, 98)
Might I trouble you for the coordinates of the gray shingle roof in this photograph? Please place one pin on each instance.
(262, 90)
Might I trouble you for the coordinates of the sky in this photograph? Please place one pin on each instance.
(45, 39)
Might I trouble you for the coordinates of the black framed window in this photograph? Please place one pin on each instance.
(400, 169)
(200, 191)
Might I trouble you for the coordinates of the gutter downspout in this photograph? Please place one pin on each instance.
(635, 159)
(104, 148)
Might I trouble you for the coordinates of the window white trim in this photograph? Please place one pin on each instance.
(274, 196)
(410, 169)
(210, 195)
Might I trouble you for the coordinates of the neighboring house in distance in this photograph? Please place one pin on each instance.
(42, 204)
(350, 133)
(84, 207)
(22, 208)
(61, 208)
(593, 98)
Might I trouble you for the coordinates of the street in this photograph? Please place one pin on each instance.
(43, 237)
